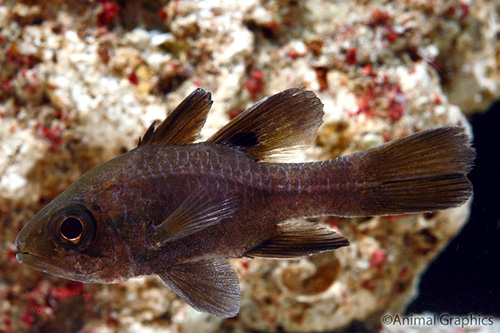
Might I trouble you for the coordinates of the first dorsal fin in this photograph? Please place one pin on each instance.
(275, 127)
(183, 125)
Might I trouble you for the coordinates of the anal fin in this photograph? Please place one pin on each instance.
(207, 285)
(296, 239)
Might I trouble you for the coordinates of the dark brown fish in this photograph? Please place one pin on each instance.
(180, 209)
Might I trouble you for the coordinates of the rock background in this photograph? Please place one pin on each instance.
(81, 81)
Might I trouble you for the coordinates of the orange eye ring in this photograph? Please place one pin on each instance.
(72, 227)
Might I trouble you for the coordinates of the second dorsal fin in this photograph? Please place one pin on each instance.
(183, 125)
(275, 127)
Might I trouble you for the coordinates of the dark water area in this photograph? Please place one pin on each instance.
(465, 278)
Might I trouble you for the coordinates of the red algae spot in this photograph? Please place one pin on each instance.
(379, 17)
(368, 70)
(52, 134)
(390, 34)
(322, 76)
(71, 289)
(396, 108)
(162, 14)
(384, 100)
(294, 54)
(272, 29)
(378, 258)
(46, 299)
(429, 215)
(334, 223)
(233, 114)
(255, 83)
(461, 11)
(8, 324)
(6, 85)
(244, 263)
(28, 318)
(395, 217)
(315, 46)
(403, 272)
(272, 25)
(464, 9)
(16, 59)
(197, 82)
(368, 284)
(12, 256)
(109, 12)
(111, 320)
(436, 64)
(350, 57)
(133, 78)
(366, 102)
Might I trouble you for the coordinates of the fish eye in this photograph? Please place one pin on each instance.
(72, 227)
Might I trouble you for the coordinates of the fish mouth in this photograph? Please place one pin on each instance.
(43, 264)
(67, 269)
(27, 258)
(37, 262)
(21, 257)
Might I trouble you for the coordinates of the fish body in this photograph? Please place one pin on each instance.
(180, 209)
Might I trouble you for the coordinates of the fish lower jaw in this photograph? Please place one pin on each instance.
(42, 264)
(20, 257)
(37, 262)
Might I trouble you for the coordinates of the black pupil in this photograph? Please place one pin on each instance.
(71, 228)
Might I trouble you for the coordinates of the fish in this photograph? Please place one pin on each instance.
(180, 209)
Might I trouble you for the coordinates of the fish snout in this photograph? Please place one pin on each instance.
(21, 246)
(29, 241)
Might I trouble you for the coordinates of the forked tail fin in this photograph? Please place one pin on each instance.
(423, 172)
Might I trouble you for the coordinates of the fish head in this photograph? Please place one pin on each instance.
(71, 238)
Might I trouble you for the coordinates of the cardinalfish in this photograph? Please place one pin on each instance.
(180, 209)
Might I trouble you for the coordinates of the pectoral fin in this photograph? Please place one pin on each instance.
(208, 286)
(296, 239)
(197, 212)
(183, 125)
